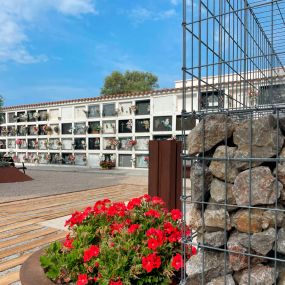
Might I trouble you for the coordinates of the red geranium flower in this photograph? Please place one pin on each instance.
(177, 261)
(133, 228)
(176, 214)
(68, 242)
(119, 282)
(168, 228)
(116, 228)
(76, 219)
(152, 213)
(194, 250)
(156, 234)
(150, 262)
(146, 197)
(133, 203)
(152, 244)
(157, 201)
(82, 279)
(92, 251)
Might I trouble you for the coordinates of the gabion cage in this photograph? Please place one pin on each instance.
(233, 86)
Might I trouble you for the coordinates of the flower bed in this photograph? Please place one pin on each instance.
(118, 243)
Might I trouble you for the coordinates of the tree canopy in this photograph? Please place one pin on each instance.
(130, 81)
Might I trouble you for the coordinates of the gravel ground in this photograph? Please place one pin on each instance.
(57, 180)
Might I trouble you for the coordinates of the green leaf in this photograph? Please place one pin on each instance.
(45, 261)
(53, 273)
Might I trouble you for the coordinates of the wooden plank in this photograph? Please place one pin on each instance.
(38, 200)
(26, 237)
(20, 224)
(47, 204)
(36, 243)
(20, 231)
(74, 206)
(14, 262)
(10, 278)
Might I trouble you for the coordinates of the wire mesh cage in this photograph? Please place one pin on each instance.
(233, 84)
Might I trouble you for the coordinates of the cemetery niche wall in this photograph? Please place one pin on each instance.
(79, 132)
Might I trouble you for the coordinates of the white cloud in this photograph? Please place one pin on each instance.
(174, 2)
(74, 7)
(16, 15)
(140, 15)
(165, 14)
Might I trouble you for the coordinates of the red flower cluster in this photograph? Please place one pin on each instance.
(92, 251)
(82, 279)
(78, 217)
(157, 201)
(133, 228)
(173, 234)
(120, 233)
(117, 209)
(68, 242)
(177, 261)
(156, 238)
(133, 203)
(150, 262)
(152, 213)
(176, 214)
(101, 206)
(116, 228)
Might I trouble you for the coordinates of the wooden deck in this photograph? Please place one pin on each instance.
(21, 231)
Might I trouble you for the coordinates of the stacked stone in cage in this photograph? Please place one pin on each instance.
(237, 200)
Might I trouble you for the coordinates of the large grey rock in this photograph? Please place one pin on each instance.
(222, 281)
(259, 275)
(222, 192)
(201, 179)
(224, 169)
(281, 241)
(263, 187)
(215, 239)
(281, 280)
(216, 220)
(213, 266)
(273, 216)
(261, 242)
(252, 222)
(280, 173)
(266, 140)
(239, 260)
(194, 217)
(282, 155)
(209, 132)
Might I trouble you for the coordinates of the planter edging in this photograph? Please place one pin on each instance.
(31, 272)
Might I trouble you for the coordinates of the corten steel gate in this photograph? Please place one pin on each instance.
(165, 172)
(233, 67)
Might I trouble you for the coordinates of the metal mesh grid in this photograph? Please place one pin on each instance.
(233, 64)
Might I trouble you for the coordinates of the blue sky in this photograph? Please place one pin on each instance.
(63, 49)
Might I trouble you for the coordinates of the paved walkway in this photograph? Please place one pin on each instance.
(58, 180)
(26, 226)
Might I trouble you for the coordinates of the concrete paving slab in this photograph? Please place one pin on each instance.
(56, 223)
